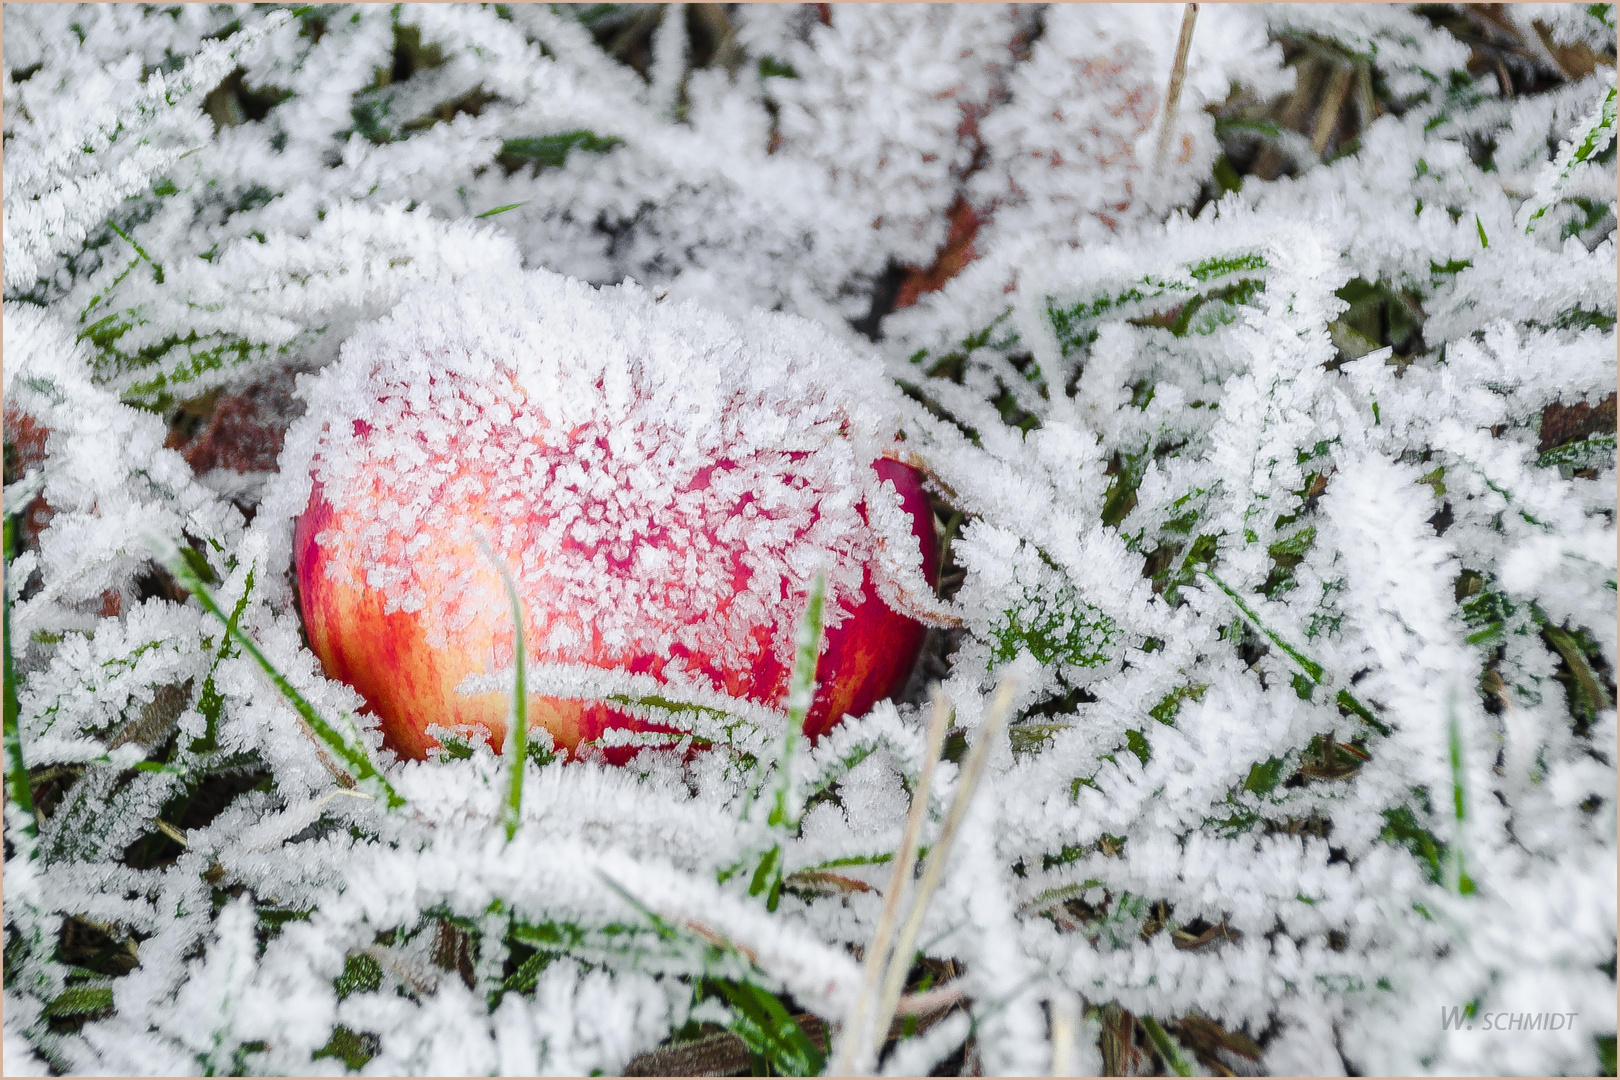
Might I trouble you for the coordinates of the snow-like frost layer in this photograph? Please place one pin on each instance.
(660, 480)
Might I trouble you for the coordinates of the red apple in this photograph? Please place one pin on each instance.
(629, 553)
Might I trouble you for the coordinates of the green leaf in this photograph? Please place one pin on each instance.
(1047, 616)
(1169, 705)
(770, 1031)
(1402, 829)
(1587, 695)
(551, 151)
(770, 67)
(1594, 451)
(1263, 776)
(352, 1048)
(210, 702)
(762, 873)
(1600, 127)
(1074, 322)
(361, 974)
(81, 1001)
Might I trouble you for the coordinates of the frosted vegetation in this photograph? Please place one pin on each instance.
(1269, 440)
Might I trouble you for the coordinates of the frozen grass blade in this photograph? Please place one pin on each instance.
(853, 1053)
(349, 750)
(783, 820)
(17, 785)
(1308, 667)
(1589, 139)
(763, 1023)
(770, 1031)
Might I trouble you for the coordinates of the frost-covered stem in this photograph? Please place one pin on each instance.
(852, 1051)
(17, 785)
(939, 854)
(669, 59)
(1178, 75)
(1589, 139)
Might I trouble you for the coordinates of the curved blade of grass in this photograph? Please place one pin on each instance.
(349, 750)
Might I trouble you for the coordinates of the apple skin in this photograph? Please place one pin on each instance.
(410, 685)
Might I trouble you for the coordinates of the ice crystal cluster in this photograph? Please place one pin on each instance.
(1309, 613)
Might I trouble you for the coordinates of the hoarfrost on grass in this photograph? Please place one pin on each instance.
(1314, 634)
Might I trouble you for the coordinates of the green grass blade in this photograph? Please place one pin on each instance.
(1310, 668)
(499, 210)
(349, 750)
(801, 692)
(517, 736)
(1166, 1046)
(1461, 882)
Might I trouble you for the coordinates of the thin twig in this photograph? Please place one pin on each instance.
(171, 832)
(930, 1001)
(1332, 105)
(852, 1040)
(1178, 75)
(939, 854)
(1065, 1021)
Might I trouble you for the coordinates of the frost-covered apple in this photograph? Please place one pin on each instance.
(662, 483)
